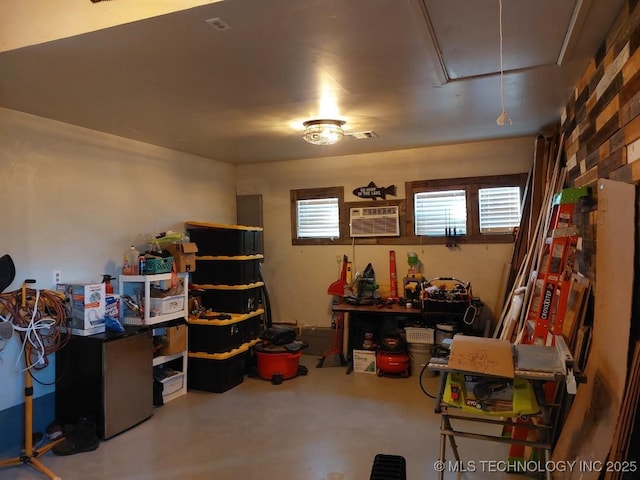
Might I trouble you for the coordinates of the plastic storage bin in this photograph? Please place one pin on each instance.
(172, 384)
(162, 306)
(425, 336)
(226, 270)
(225, 240)
(254, 325)
(236, 298)
(219, 336)
(154, 266)
(216, 372)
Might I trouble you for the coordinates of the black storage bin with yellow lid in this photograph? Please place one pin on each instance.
(225, 240)
(231, 298)
(220, 335)
(239, 270)
(217, 372)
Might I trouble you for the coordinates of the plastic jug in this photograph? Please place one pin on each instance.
(130, 262)
(414, 262)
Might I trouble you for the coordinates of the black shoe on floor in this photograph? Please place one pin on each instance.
(54, 431)
(81, 437)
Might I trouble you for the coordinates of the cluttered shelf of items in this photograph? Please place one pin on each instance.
(384, 333)
(190, 311)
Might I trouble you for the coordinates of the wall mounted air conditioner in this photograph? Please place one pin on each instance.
(374, 222)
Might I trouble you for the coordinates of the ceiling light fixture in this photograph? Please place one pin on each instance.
(323, 132)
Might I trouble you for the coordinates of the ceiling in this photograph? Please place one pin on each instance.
(414, 72)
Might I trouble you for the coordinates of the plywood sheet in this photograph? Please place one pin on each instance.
(588, 432)
(488, 356)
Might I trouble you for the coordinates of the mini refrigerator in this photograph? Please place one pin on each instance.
(108, 377)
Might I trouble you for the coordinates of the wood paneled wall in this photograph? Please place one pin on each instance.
(601, 121)
(601, 126)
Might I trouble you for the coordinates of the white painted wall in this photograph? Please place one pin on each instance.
(74, 199)
(298, 276)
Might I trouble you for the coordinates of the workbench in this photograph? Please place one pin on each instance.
(377, 316)
(385, 316)
(536, 364)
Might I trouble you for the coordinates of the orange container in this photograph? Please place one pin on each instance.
(286, 364)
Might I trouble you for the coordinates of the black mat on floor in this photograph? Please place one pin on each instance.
(388, 467)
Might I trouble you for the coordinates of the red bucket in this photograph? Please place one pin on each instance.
(286, 364)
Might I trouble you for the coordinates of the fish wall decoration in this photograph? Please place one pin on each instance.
(373, 192)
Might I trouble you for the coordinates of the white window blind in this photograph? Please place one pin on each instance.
(437, 211)
(318, 218)
(500, 209)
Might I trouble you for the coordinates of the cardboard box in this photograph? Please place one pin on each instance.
(184, 256)
(112, 306)
(176, 340)
(84, 333)
(364, 361)
(87, 303)
(84, 295)
(87, 322)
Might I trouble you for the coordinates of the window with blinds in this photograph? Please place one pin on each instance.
(499, 209)
(318, 218)
(438, 213)
(474, 209)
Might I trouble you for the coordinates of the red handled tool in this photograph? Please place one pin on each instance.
(393, 276)
(337, 287)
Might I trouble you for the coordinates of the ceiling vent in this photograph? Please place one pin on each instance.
(362, 135)
(374, 221)
(218, 23)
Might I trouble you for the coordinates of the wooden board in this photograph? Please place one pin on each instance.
(632, 407)
(581, 348)
(576, 306)
(488, 356)
(620, 447)
(588, 433)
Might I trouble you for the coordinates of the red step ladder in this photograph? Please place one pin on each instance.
(546, 314)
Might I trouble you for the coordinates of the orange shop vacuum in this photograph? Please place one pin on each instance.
(278, 355)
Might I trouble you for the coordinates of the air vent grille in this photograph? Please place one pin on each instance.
(362, 135)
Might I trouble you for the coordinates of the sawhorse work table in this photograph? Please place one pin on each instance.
(538, 365)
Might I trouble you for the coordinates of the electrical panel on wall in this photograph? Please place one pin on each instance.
(374, 221)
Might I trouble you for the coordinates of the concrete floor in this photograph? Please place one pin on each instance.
(323, 426)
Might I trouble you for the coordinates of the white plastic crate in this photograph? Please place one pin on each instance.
(172, 384)
(420, 335)
(163, 306)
